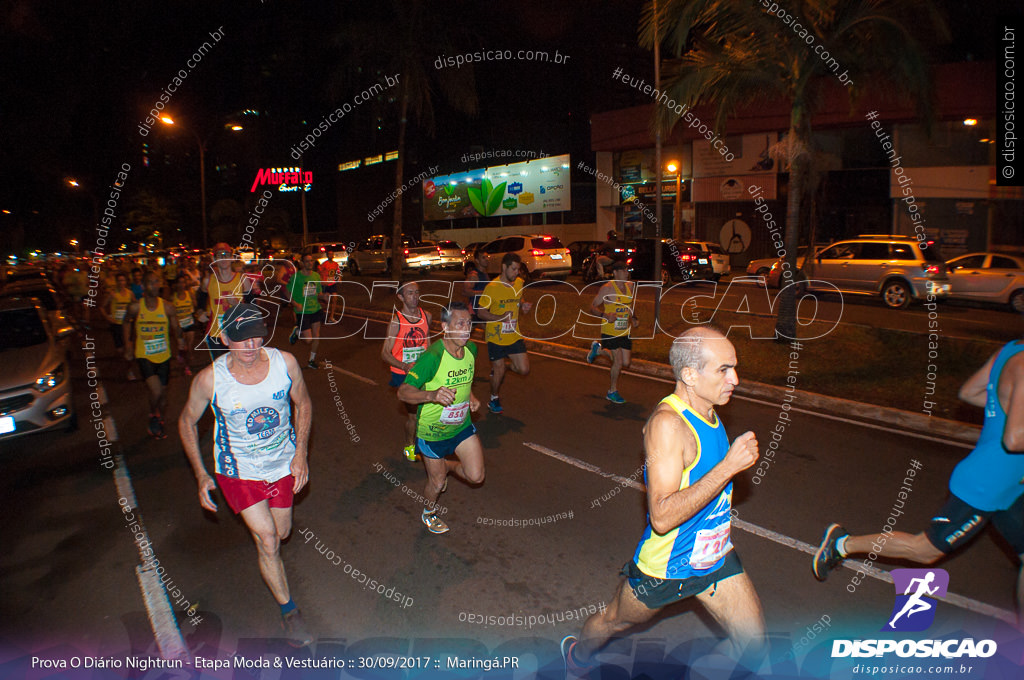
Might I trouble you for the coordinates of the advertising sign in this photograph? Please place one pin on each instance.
(535, 186)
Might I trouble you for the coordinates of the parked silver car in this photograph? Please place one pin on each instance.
(896, 267)
(988, 277)
(35, 385)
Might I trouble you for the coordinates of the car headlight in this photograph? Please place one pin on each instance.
(47, 382)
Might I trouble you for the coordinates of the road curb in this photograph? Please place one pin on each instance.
(940, 428)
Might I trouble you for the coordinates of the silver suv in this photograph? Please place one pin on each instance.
(896, 267)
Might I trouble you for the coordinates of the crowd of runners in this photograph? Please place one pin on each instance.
(263, 414)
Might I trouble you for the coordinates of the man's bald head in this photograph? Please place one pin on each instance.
(688, 350)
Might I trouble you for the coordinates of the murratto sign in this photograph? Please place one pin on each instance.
(284, 178)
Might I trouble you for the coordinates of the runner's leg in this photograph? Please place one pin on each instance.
(734, 604)
(897, 545)
(624, 612)
(520, 363)
(266, 534)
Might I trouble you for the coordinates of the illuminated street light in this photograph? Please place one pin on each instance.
(167, 120)
(677, 216)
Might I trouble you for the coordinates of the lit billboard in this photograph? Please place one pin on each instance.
(535, 186)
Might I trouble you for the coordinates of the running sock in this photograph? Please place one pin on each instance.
(312, 356)
(841, 546)
(493, 397)
(288, 607)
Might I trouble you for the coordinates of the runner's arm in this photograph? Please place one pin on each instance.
(303, 421)
(126, 327)
(389, 344)
(1013, 431)
(597, 305)
(467, 285)
(670, 447)
(974, 389)
(199, 396)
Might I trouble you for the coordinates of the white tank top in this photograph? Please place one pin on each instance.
(253, 437)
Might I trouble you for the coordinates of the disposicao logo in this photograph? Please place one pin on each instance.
(917, 594)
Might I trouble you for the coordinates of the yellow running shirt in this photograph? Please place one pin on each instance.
(152, 333)
(501, 299)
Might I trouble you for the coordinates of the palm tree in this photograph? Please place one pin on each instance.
(733, 54)
(407, 41)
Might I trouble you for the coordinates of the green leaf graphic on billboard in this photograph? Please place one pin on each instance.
(474, 199)
(487, 198)
(449, 189)
(494, 198)
(509, 204)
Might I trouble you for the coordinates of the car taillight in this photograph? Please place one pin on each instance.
(629, 261)
(567, 252)
(463, 251)
(406, 251)
(536, 253)
(931, 269)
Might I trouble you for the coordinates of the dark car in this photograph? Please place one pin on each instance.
(679, 262)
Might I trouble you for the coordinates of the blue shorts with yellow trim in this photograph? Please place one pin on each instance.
(655, 593)
(445, 447)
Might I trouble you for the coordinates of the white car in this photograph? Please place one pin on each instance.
(542, 255)
(988, 277)
(319, 252)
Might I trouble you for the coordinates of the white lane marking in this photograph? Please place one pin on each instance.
(755, 400)
(154, 595)
(165, 628)
(774, 536)
(354, 375)
(631, 483)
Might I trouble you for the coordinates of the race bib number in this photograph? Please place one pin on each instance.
(155, 346)
(622, 320)
(454, 414)
(310, 289)
(411, 354)
(508, 326)
(709, 546)
(119, 314)
(186, 321)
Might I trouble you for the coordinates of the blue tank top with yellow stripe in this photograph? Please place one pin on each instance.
(699, 545)
(991, 478)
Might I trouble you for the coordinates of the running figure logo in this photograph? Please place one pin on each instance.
(915, 611)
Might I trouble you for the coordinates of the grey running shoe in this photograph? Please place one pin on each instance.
(295, 628)
(434, 523)
(827, 556)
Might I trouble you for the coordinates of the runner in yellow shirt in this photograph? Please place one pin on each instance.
(114, 309)
(499, 307)
(154, 324)
(185, 309)
(614, 304)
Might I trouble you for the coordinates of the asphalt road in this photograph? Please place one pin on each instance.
(68, 584)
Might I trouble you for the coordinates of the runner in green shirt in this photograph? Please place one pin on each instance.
(305, 291)
(440, 382)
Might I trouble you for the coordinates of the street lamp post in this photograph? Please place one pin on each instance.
(677, 216)
(167, 120)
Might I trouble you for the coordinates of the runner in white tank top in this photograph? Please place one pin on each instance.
(259, 454)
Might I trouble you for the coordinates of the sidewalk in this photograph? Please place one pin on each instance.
(940, 428)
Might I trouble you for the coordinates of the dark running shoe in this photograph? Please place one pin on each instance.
(827, 556)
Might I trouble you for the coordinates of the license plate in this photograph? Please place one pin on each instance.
(6, 424)
(556, 256)
(703, 260)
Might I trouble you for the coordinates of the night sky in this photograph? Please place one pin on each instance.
(81, 76)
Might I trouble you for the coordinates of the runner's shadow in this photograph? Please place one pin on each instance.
(491, 429)
(627, 411)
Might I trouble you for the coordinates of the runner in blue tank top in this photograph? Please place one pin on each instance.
(685, 549)
(987, 485)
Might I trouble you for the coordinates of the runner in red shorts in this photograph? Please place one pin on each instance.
(259, 456)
